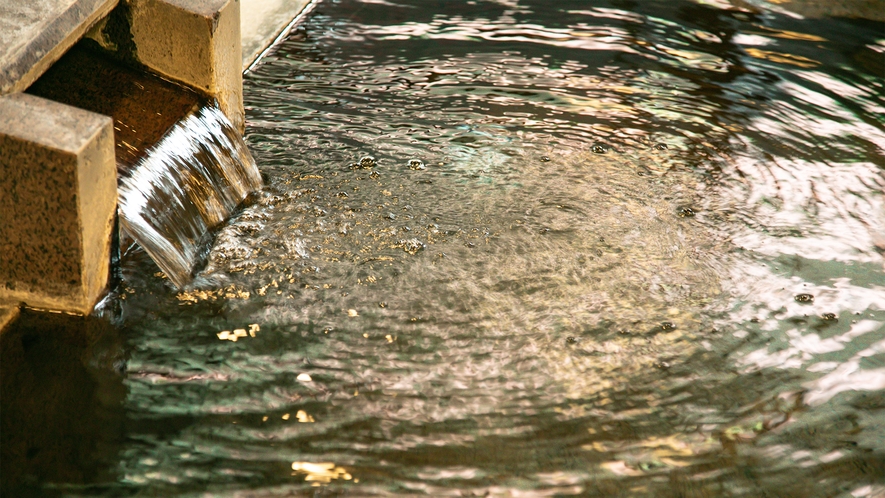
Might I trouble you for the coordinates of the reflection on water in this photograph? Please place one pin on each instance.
(62, 401)
(627, 249)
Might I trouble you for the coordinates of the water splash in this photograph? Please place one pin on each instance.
(188, 184)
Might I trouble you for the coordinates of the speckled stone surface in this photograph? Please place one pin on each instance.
(35, 33)
(59, 190)
(873, 10)
(861, 9)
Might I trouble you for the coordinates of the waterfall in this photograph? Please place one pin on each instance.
(186, 185)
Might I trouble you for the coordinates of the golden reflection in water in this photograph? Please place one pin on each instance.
(320, 473)
(227, 335)
(790, 35)
(782, 58)
(304, 418)
(197, 295)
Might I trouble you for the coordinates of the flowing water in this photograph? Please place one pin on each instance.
(188, 184)
(529, 248)
(182, 168)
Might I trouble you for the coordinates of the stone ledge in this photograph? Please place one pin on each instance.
(192, 42)
(262, 21)
(35, 33)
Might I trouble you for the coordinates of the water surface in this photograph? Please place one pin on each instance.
(531, 248)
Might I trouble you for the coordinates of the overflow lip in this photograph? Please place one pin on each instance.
(147, 112)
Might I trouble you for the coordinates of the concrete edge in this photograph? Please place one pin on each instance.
(277, 19)
(35, 68)
(66, 255)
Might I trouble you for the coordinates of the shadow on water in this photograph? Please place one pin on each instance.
(61, 389)
(518, 248)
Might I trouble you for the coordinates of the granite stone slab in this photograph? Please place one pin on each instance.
(262, 21)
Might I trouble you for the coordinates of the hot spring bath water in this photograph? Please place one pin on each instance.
(528, 248)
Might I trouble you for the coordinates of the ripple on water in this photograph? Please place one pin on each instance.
(593, 287)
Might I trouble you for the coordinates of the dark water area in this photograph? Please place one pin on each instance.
(525, 248)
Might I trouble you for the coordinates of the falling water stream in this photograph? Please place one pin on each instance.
(182, 168)
(188, 184)
(524, 248)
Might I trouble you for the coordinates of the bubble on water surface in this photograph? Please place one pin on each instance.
(599, 149)
(417, 165)
(366, 162)
(804, 298)
(411, 246)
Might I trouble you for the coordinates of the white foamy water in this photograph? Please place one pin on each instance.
(192, 181)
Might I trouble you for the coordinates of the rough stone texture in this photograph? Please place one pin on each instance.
(194, 42)
(59, 193)
(35, 33)
(858, 9)
(262, 21)
(863, 9)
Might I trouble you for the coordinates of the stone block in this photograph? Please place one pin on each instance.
(194, 42)
(58, 194)
(873, 10)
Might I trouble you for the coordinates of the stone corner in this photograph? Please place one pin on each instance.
(58, 175)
